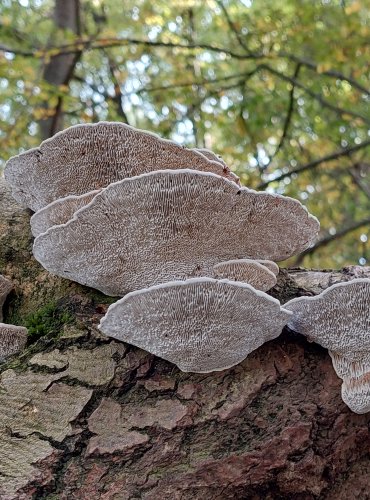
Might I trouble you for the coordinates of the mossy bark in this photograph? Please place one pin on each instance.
(85, 416)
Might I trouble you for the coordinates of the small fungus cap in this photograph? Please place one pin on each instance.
(356, 379)
(6, 287)
(12, 340)
(246, 270)
(86, 157)
(338, 318)
(171, 225)
(200, 324)
(59, 212)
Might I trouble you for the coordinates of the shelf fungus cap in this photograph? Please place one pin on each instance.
(338, 318)
(171, 225)
(6, 287)
(59, 212)
(211, 155)
(248, 271)
(201, 324)
(86, 157)
(12, 340)
(355, 374)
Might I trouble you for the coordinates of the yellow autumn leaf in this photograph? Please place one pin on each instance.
(5, 20)
(322, 67)
(353, 8)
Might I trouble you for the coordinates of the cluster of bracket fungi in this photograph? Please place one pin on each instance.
(191, 251)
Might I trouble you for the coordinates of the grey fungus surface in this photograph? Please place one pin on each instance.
(6, 287)
(171, 225)
(86, 157)
(12, 340)
(201, 324)
(339, 319)
(272, 266)
(59, 212)
(211, 155)
(248, 271)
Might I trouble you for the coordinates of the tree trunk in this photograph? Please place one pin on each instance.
(84, 416)
(59, 70)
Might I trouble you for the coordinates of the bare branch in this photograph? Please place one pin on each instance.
(331, 237)
(287, 118)
(317, 97)
(331, 73)
(315, 163)
(233, 27)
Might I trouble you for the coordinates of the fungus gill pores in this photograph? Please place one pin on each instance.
(339, 319)
(86, 157)
(12, 340)
(257, 273)
(200, 324)
(171, 225)
(59, 212)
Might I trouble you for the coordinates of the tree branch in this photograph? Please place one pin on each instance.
(315, 163)
(233, 27)
(331, 237)
(317, 97)
(287, 118)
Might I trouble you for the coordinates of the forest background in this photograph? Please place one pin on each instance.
(279, 88)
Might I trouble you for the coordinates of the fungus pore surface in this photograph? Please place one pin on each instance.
(170, 225)
(86, 157)
(200, 324)
(12, 340)
(338, 318)
(59, 212)
(246, 270)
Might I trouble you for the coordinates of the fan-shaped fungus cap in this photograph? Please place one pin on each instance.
(356, 379)
(59, 212)
(86, 157)
(200, 324)
(5, 288)
(211, 155)
(170, 225)
(246, 270)
(12, 340)
(338, 318)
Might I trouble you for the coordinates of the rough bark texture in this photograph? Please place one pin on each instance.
(87, 417)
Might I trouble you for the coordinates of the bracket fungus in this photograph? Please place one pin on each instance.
(86, 157)
(171, 225)
(247, 270)
(59, 212)
(6, 287)
(200, 324)
(12, 340)
(339, 319)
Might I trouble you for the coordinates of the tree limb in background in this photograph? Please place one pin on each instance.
(61, 66)
(287, 118)
(232, 27)
(315, 163)
(118, 96)
(314, 95)
(331, 237)
(109, 42)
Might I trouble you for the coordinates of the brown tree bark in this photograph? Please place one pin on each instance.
(59, 70)
(83, 416)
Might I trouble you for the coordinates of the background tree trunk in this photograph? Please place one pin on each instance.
(84, 416)
(59, 70)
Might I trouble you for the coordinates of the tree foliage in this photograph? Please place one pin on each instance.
(279, 88)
